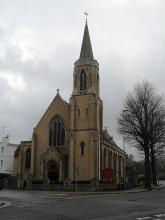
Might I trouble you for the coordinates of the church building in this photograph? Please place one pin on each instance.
(69, 141)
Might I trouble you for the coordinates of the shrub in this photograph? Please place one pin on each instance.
(81, 182)
(37, 181)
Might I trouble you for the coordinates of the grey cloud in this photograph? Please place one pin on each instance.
(22, 110)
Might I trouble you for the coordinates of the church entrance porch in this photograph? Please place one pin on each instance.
(53, 171)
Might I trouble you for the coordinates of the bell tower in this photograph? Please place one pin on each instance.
(86, 69)
(86, 115)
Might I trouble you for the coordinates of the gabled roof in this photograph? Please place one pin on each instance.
(58, 97)
(55, 100)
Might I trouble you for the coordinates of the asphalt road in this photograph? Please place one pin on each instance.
(27, 205)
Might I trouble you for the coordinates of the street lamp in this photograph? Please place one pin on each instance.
(124, 111)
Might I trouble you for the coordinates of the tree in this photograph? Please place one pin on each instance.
(143, 124)
(161, 167)
(134, 170)
(157, 137)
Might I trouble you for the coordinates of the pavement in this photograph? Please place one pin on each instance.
(133, 190)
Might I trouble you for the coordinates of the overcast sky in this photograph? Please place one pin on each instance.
(40, 40)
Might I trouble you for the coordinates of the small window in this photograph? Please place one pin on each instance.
(2, 149)
(83, 81)
(82, 145)
(1, 165)
(28, 159)
(104, 158)
(86, 112)
(78, 112)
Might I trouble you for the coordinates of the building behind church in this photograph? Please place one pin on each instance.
(7, 150)
(69, 141)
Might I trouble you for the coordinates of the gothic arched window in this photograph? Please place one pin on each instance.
(28, 158)
(57, 132)
(82, 145)
(83, 81)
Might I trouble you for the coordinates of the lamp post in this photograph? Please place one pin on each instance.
(76, 178)
(125, 110)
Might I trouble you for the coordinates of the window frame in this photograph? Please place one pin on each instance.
(57, 132)
(1, 164)
(82, 148)
(83, 81)
(78, 112)
(28, 158)
(86, 112)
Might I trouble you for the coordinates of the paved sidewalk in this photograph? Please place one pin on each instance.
(80, 193)
(133, 190)
(127, 191)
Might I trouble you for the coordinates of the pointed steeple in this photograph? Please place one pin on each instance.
(86, 48)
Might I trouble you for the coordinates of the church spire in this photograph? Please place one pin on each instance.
(86, 68)
(86, 48)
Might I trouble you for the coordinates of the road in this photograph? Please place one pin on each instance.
(27, 205)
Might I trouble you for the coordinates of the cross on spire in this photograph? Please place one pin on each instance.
(86, 15)
(86, 47)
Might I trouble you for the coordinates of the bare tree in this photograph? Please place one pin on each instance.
(143, 124)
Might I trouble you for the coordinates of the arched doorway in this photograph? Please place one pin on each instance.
(53, 171)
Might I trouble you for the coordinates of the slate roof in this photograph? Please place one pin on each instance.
(108, 138)
(86, 47)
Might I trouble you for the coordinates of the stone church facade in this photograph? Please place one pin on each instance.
(69, 141)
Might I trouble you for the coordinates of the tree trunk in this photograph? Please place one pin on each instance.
(153, 166)
(147, 184)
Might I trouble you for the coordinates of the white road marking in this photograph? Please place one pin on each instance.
(143, 218)
(160, 215)
(70, 198)
(26, 204)
(36, 201)
(23, 206)
(5, 204)
(52, 196)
